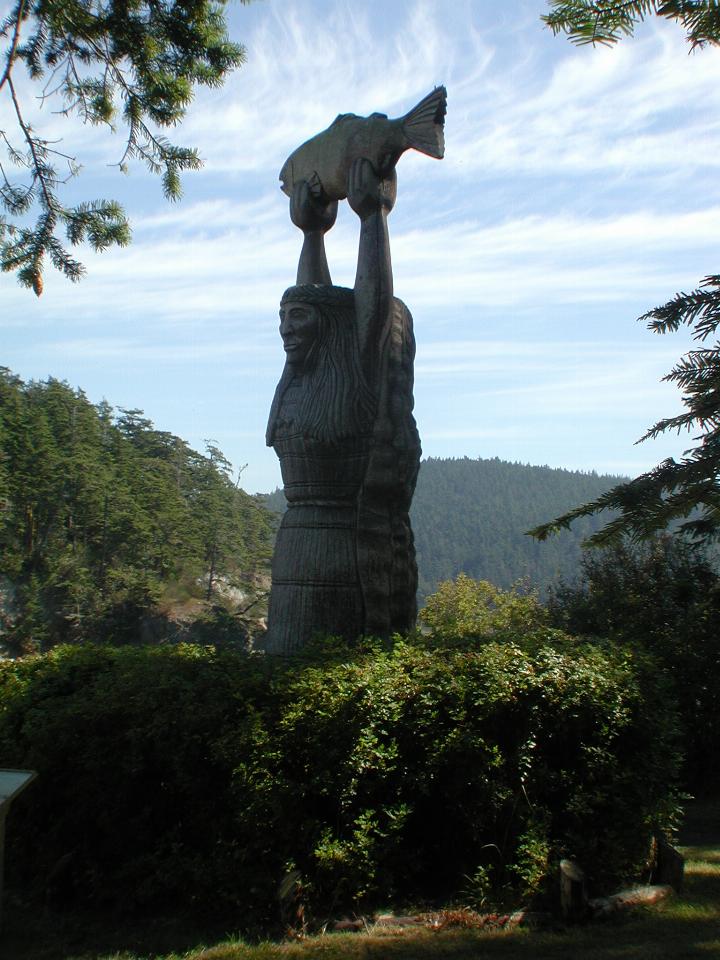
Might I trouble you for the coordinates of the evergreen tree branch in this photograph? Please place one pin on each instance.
(684, 492)
(151, 54)
(12, 52)
(607, 21)
(687, 490)
(40, 168)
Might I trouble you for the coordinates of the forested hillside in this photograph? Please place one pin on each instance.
(107, 523)
(470, 516)
(105, 520)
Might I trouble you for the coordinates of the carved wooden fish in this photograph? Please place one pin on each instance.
(325, 160)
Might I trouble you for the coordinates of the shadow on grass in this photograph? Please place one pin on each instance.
(686, 927)
(31, 934)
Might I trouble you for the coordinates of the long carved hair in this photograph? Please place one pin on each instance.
(336, 401)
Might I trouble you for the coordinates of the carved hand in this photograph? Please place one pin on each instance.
(310, 212)
(367, 192)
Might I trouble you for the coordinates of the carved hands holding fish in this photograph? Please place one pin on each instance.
(369, 193)
(314, 214)
(310, 210)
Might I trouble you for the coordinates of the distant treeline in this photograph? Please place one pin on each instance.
(103, 519)
(470, 516)
(107, 523)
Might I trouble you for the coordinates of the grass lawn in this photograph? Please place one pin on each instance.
(686, 927)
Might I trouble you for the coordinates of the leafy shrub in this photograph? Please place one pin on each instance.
(663, 595)
(190, 777)
(465, 608)
(132, 803)
(416, 767)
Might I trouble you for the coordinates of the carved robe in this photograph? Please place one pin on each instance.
(344, 561)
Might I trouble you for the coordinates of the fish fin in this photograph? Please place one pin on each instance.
(315, 184)
(423, 125)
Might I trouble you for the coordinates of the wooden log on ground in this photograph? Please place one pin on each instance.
(636, 897)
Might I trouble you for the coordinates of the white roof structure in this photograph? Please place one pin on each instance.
(12, 782)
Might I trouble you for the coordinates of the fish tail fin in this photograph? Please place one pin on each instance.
(423, 125)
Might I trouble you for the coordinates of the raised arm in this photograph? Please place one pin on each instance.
(372, 198)
(314, 216)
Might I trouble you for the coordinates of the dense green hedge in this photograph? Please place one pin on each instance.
(662, 595)
(186, 777)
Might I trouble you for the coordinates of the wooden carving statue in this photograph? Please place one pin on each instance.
(341, 420)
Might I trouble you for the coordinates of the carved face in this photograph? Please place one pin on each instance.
(298, 329)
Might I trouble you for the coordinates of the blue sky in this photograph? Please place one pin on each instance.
(579, 188)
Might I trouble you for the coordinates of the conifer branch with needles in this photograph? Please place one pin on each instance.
(108, 63)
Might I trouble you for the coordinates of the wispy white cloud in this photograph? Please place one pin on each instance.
(236, 264)
(610, 109)
(113, 348)
(550, 357)
(304, 69)
(577, 183)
